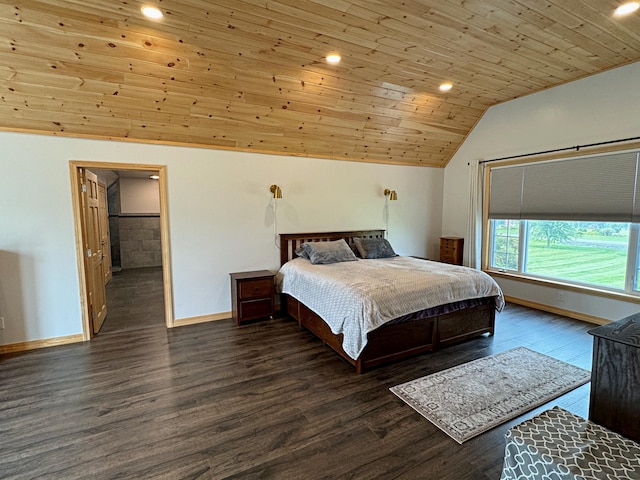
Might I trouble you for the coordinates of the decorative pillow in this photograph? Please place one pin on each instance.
(374, 247)
(329, 252)
(301, 252)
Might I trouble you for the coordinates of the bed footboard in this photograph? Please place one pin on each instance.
(464, 324)
(400, 340)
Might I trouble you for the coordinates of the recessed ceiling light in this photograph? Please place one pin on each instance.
(627, 8)
(445, 87)
(151, 12)
(333, 58)
(154, 177)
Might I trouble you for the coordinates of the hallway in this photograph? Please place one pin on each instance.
(135, 299)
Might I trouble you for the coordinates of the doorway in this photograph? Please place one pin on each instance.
(135, 299)
(91, 289)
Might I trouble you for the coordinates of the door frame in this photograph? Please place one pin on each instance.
(83, 264)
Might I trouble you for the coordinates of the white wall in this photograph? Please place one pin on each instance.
(220, 220)
(599, 108)
(139, 195)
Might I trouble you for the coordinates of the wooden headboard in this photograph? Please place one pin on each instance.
(289, 242)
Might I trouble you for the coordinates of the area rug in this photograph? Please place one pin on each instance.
(474, 397)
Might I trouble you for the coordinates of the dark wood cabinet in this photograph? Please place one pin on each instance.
(252, 295)
(451, 249)
(615, 377)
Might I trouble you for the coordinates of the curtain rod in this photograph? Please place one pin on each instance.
(576, 148)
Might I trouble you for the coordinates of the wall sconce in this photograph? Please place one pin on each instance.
(388, 195)
(276, 191)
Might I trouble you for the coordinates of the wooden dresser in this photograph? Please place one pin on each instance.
(451, 249)
(615, 377)
(252, 295)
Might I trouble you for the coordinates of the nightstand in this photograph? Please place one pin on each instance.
(252, 295)
(451, 250)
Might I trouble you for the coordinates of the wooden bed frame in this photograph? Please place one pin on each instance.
(391, 341)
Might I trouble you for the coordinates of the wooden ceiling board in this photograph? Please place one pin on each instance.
(251, 74)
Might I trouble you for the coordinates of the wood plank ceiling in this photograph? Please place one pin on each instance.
(251, 74)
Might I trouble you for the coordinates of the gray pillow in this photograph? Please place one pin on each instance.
(301, 252)
(329, 252)
(374, 247)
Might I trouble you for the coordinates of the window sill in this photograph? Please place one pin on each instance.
(601, 292)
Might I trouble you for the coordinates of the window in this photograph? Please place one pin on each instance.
(573, 220)
(505, 244)
(585, 253)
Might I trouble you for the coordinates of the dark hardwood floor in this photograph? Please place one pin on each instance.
(261, 401)
(135, 299)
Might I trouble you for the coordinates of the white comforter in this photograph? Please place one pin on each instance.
(354, 298)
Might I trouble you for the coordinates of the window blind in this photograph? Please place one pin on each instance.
(603, 188)
(506, 193)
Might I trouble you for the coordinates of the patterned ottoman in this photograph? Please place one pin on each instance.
(558, 445)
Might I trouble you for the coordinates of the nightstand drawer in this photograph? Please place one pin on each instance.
(256, 308)
(448, 242)
(255, 288)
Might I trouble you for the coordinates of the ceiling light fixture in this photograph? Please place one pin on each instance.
(151, 12)
(445, 87)
(333, 58)
(627, 8)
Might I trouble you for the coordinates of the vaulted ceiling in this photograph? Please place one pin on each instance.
(252, 75)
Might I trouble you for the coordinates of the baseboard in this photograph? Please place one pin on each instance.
(202, 319)
(52, 342)
(35, 344)
(558, 311)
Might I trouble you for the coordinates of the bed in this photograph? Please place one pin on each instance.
(387, 339)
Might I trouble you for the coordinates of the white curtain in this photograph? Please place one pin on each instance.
(473, 245)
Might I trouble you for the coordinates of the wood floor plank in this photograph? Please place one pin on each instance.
(265, 400)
